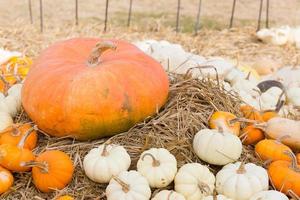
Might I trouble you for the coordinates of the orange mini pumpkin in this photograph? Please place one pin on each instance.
(91, 88)
(251, 135)
(285, 175)
(272, 150)
(225, 121)
(13, 134)
(251, 113)
(51, 170)
(6, 180)
(12, 156)
(267, 115)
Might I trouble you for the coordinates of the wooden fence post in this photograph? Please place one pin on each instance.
(232, 13)
(178, 15)
(197, 24)
(30, 11)
(267, 14)
(129, 13)
(106, 14)
(76, 12)
(41, 16)
(259, 15)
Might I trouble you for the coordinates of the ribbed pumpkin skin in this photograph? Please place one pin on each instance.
(65, 97)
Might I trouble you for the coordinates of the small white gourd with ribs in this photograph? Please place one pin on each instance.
(128, 185)
(158, 166)
(168, 195)
(106, 161)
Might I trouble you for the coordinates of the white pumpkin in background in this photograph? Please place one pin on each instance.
(288, 75)
(15, 91)
(275, 36)
(2, 96)
(168, 195)
(10, 105)
(217, 197)
(220, 64)
(240, 182)
(105, 161)
(5, 120)
(269, 99)
(293, 95)
(249, 100)
(266, 66)
(128, 185)
(269, 195)
(234, 75)
(194, 181)
(217, 148)
(246, 86)
(158, 166)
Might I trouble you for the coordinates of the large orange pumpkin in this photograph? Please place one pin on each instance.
(89, 88)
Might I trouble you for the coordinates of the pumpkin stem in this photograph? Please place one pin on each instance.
(15, 131)
(6, 84)
(279, 140)
(204, 188)
(104, 152)
(261, 126)
(215, 195)
(155, 163)
(98, 50)
(248, 76)
(232, 121)
(294, 165)
(241, 169)
(42, 165)
(125, 186)
(25, 136)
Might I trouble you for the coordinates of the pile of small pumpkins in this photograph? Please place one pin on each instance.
(220, 145)
(50, 169)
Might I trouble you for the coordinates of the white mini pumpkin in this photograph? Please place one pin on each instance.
(10, 105)
(101, 163)
(293, 96)
(216, 147)
(15, 91)
(194, 181)
(168, 195)
(217, 197)
(5, 120)
(270, 98)
(128, 185)
(240, 182)
(269, 195)
(159, 167)
(246, 86)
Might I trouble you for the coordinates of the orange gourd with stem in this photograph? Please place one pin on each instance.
(6, 180)
(13, 134)
(225, 121)
(272, 150)
(11, 156)
(251, 135)
(250, 113)
(285, 175)
(51, 170)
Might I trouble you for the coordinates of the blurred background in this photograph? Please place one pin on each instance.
(215, 14)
